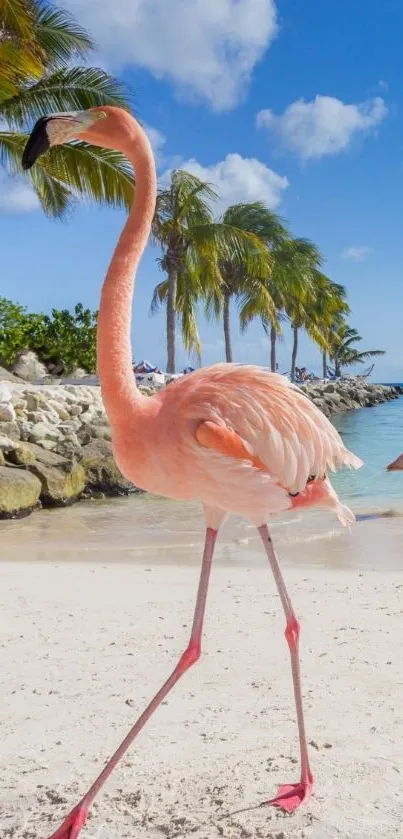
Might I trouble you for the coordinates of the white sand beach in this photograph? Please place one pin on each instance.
(88, 634)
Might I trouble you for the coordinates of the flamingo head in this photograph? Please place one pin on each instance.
(95, 125)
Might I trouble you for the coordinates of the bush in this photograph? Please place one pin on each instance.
(59, 337)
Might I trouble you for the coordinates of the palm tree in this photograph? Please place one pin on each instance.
(20, 53)
(302, 265)
(195, 247)
(287, 284)
(343, 352)
(251, 288)
(328, 310)
(39, 44)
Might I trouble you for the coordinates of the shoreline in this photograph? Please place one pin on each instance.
(55, 441)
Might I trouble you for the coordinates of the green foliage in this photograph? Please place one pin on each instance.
(38, 44)
(61, 336)
(342, 350)
(202, 256)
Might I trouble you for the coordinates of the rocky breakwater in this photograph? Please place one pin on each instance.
(55, 447)
(334, 397)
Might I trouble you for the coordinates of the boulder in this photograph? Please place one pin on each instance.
(7, 412)
(6, 444)
(62, 480)
(22, 455)
(43, 431)
(101, 472)
(6, 376)
(10, 429)
(28, 367)
(19, 492)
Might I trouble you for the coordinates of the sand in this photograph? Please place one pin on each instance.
(85, 645)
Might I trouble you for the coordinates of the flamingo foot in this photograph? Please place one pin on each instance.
(72, 824)
(291, 796)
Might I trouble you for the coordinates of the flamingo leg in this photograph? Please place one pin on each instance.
(290, 796)
(75, 820)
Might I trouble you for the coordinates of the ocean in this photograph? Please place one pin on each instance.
(375, 435)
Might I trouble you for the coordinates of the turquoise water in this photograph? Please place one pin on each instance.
(375, 435)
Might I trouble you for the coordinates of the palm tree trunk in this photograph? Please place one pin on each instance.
(171, 320)
(273, 339)
(227, 328)
(294, 351)
(337, 367)
(324, 364)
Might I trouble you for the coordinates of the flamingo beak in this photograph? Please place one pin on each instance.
(55, 129)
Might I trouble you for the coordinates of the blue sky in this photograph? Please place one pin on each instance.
(297, 104)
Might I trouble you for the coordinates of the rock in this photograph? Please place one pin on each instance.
(6, 444)
(6, 376)
(84, 435)
(23, 455)
(49, 445)
(10, 429)
(102, 432)
(62, 481)
(77, 373)
(70, 447)
(43, 431)
(35, 401)
(2, 459)
(25, 428)
(59, 409)
(29, 367)
(19, 492)
(101, 472)
(7, 412)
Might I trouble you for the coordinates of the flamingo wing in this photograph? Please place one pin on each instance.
(259, 417)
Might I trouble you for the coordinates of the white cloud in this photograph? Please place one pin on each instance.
(16, 196)
(357, 253)
(238, 179)
(323, 126)
(157, 141)
(206, 48)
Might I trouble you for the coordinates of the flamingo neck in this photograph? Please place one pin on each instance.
(114, 355)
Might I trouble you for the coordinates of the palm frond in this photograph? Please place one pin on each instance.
(74, 170)
(256, 218)
(160, 294)
(239, 247)
(60, 36)
(64, 90)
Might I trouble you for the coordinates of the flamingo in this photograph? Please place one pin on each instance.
(396, 465)
(236, 438)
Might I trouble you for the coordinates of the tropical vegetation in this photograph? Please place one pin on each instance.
(249, 258)
(62, 338)
(343, 353)
(42, 53)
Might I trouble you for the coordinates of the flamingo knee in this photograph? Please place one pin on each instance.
(292, 632)
(189, 657)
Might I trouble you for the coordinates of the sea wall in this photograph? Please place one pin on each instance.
(55, 441)
(333, 397)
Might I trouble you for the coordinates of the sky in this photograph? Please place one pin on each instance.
(299, 105)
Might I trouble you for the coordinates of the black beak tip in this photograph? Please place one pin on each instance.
(37, 143)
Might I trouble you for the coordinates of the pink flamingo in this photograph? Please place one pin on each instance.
(237, 439)
(396, 465)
